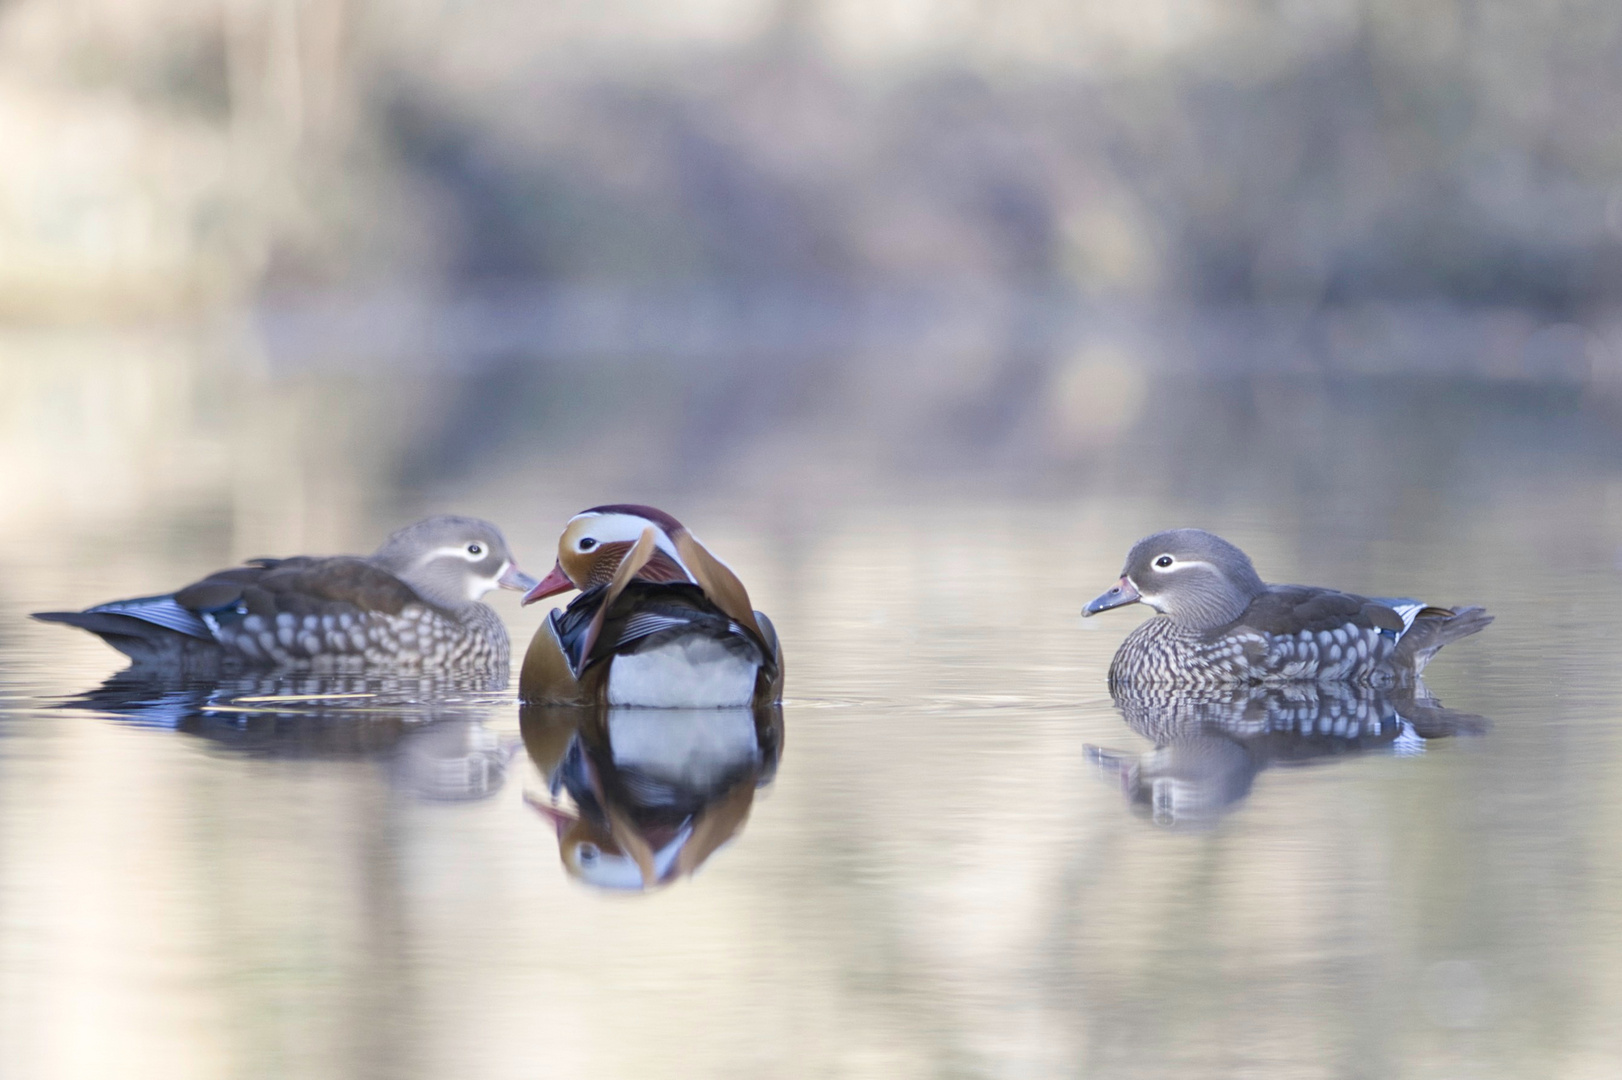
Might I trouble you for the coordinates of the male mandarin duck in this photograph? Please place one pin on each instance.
(659, 621)
(1223, 625)
(413, 605)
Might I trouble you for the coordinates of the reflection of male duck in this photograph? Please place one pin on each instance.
(1210, 744)
(654, 792)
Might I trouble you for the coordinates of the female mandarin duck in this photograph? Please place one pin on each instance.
(659, 621)
(1224, 626)
(413, 605)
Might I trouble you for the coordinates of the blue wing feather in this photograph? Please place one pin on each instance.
(159, 611)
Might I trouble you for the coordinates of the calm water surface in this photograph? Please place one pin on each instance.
(950, 855)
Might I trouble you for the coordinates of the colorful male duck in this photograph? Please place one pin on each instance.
(413, 605)
(1223, 625)
(659, 621)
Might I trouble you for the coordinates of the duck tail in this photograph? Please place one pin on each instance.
(145, 640)
(1434, 627)
(1430, 719)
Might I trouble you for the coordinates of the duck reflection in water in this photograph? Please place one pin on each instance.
(1211, 744)
(427, 730)
(641, 797)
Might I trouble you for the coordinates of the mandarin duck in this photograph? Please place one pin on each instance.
(659, 621)
(650, 796)
(412, 605)
(1223, 625)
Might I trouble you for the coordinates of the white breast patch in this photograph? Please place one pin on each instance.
(689, 673)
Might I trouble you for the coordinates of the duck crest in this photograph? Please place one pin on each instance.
(669, 524)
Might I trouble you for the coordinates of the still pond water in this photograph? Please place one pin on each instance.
(951, 854)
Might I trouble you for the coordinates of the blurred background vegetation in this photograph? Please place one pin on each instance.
(751, 238)
(176, 154)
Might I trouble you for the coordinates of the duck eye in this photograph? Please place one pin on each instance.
(1163, 562)
(475, 549)
(587, 544)
(589, 853)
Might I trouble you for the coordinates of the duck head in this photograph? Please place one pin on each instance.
(614, 853)
(1191, 781)
(451, 561)
(614, 544)
(595, 542)
(1196, 577)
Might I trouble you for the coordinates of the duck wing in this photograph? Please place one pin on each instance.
(301, 586)
(1288, 610)
(644, 614)
(172, 627)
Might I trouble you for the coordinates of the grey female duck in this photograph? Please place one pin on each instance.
(412, 605)
(1223, 625)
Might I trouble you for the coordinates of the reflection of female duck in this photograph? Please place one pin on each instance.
(659, 621)
(428, 728)
(1210, 745)
(654, 793)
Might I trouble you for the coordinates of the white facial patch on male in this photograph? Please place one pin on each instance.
(628, 528)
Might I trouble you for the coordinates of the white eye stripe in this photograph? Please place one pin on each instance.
(460, 551)
(1176, 565)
